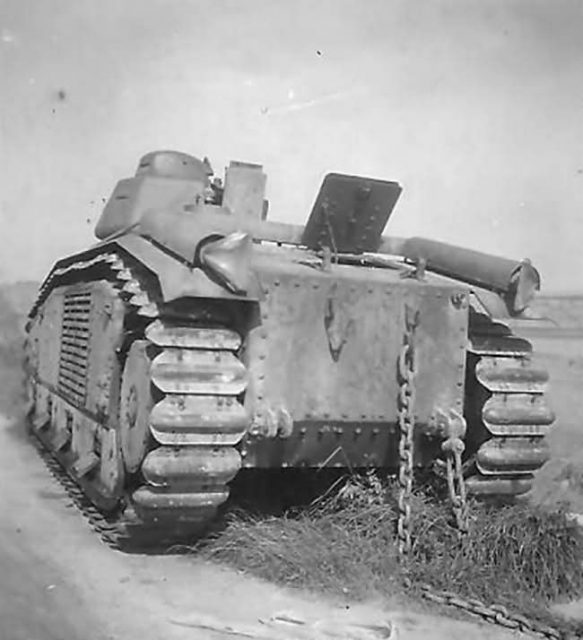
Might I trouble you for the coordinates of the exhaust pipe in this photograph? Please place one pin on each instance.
(515, 281)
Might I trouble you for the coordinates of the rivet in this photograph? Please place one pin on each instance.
(357, 431)
(243, 453)
(276, 283)
(375, 431)
(363, 416)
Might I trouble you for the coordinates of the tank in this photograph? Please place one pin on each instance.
(198, 340)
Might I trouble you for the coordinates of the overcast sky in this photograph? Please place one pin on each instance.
(474, 106)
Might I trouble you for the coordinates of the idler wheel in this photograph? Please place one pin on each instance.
(135, 405)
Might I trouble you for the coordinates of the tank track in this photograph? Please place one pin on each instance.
(507, 411)
(110, 529)
(194, 423)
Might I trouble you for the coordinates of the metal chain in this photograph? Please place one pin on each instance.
(453, 447)
(406, 402)
(496, 614)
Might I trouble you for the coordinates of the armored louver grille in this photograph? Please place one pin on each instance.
(74, 346)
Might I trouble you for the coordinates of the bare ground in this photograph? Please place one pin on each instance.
(58, 581)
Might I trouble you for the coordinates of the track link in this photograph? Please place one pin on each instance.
(507, 410)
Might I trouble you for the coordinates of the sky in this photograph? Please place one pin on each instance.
(474, 106)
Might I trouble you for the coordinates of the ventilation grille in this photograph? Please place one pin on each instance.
(75, 346)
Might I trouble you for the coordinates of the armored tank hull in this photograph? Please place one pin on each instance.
(197, 340)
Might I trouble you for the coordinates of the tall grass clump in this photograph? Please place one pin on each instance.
(343, 543)
(521, 556)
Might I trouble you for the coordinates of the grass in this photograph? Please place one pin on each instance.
(334, 546)
(521, 556)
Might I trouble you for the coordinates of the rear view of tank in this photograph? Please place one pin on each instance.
(197, 339)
